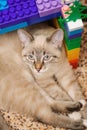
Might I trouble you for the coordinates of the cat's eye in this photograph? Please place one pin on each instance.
(31, 57)
(47, 57)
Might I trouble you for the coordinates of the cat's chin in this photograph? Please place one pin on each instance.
(40, 72)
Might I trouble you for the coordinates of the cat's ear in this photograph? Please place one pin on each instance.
(24, 37)
(57, 38)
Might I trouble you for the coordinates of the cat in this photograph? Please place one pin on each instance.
(36, 78)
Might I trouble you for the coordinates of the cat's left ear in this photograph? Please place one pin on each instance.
(24, 37)
(57, 38)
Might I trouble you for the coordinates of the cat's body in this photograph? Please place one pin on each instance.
(40, 82)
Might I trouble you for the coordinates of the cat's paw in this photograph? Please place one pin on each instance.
(83, 102)
(74, 107)
(78, 125)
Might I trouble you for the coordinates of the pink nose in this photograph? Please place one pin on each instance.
(38, 69)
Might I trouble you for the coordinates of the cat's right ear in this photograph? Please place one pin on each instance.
(24, 37)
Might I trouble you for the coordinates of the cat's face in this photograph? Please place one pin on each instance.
(40, 53)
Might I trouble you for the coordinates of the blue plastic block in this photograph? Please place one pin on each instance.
(3, 4)
(42, 19)
(18, 11)
(30, 22)
(12, 28)
(73, 32)
(26, 11)
(75, 36)
(47, 7)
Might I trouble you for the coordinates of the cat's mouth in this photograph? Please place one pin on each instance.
(40, 71)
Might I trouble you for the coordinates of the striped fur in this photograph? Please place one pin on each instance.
(36, 79)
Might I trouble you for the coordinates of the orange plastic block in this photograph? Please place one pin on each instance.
(73, 54)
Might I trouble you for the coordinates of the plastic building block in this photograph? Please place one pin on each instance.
(14, 27)
(47, 7)
(18, 11)
(71, 44)
(41, 19)
(3, 4)
(29, 22)
(64, 9)
(21, 11)
(74, 43)
(76, 8)
(73, 32)
(75, 36)
(78, 24)
(74, 63)
(73, 54)
(71, 25)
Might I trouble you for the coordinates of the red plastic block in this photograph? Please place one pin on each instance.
(74, 63)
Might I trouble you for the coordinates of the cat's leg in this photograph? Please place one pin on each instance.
(42, 111)
(69, 83)
(47, 116)
(66, 106)
(57, 105)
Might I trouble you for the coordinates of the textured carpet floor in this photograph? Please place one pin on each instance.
(14, 121)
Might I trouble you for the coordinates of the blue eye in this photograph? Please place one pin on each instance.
(31, 57)
(47, 57)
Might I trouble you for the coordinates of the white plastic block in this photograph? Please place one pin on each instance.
(72, 26)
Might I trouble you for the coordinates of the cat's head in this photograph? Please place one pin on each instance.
(41, 53)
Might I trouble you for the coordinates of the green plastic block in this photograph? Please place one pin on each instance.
(76, 12)
(73, 43)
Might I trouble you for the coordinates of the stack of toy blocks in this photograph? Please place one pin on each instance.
(16, 14)
(73, 32)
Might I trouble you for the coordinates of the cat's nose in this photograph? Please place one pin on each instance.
(38, 69)
(38, 66)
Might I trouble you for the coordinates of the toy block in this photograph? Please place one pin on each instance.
(73, 54)
(44, 18)
(74, 43)
(73, 32)
(29, 22)
(3, 4)
(74, 63)
(18, 11)
(63, 11)
(14, 27)
(75, 25)
(47, 7)
(75, 36)
(71, 25)
(21, 11)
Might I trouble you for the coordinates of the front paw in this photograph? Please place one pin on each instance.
(78, 125)
(74, 107)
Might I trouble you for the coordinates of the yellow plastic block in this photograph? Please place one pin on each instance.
(73, 54)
